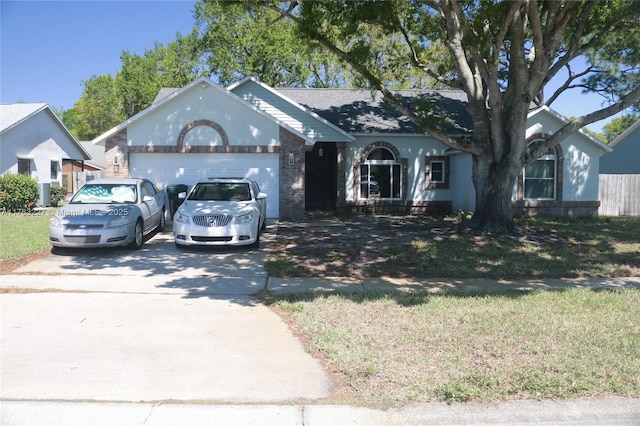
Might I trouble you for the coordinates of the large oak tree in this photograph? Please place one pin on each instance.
(501, 53)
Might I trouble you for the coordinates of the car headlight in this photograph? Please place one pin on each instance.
(55, 222)
(244, 218)
(182, 218)
(119, 221)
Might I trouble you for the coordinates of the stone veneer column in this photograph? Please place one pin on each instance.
(292, 183)
(116, 145)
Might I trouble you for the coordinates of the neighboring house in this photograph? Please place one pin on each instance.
(77, 173)
(327, 149)
(34, 141)
(625, 157)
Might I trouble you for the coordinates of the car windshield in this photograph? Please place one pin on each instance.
(105, 193)
(216, 191)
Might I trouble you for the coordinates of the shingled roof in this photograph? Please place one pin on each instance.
(362, 111)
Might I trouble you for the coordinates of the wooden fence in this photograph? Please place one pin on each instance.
(619, 195)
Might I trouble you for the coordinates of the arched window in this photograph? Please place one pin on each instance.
(380, 175)
(539, 178)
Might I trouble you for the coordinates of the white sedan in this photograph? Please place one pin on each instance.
(221, 211)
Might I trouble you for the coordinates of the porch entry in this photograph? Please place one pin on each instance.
(321, 180)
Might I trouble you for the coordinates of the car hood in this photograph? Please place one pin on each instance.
(232, 208)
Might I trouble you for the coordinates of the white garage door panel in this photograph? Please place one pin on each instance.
(166, 169)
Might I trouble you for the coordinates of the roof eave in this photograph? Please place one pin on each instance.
(601, 145)
(347, 135)
(202, 80)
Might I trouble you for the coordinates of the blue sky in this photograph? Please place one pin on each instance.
(47, 48)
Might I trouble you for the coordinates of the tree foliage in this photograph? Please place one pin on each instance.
(618, 125)
(98, 109)
(501, 54)
(106, 101)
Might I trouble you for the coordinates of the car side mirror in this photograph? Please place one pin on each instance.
(182, 195)
(261, 196)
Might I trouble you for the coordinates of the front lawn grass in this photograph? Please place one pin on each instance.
(423, 247)
(24, 233)
(396, 348)
(392, 349)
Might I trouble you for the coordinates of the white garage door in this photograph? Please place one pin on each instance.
(167, 169)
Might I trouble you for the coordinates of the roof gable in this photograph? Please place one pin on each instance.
(169, 95)
(13, 115)
(273, 102)
(604, 148)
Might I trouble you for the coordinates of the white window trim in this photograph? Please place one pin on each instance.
(391, 164)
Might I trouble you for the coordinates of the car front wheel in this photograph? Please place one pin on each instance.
(138, 236)
(162, 224)
(256, 243)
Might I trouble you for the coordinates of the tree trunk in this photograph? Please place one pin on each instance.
(494, 183)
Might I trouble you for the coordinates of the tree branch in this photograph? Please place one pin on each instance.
(578, 123)
(416, 62)
(567, 84)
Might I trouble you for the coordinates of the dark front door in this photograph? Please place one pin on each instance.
(321, 183)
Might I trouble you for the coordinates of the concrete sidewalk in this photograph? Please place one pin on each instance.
(83, 404)
(587, 411)
(251, 283)
(435, 285)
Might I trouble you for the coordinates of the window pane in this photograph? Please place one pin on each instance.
(437, 171)
(396, 180)
(380, 175)
(538, 188)
(364, 181)
(380, 154)
(24, 166)
(540, 169)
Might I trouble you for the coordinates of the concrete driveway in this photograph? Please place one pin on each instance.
(158, 324)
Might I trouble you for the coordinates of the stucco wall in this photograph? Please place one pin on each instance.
(412, 148)
(625, 158)
(42, 140)
(581, 159)
(243, 126)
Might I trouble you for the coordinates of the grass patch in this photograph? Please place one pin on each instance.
(399, 348)
(24, 233)
(423, 247)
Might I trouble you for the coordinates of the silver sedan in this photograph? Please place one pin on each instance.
(109, 212)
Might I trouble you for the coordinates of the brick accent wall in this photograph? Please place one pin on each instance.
(116, 147)
(292, 182)
(556, 208)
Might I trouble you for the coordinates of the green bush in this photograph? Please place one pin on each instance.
(18, 192)
(57, 194)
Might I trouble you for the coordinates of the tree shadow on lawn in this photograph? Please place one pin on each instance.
(415, 297)
(426, 247)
